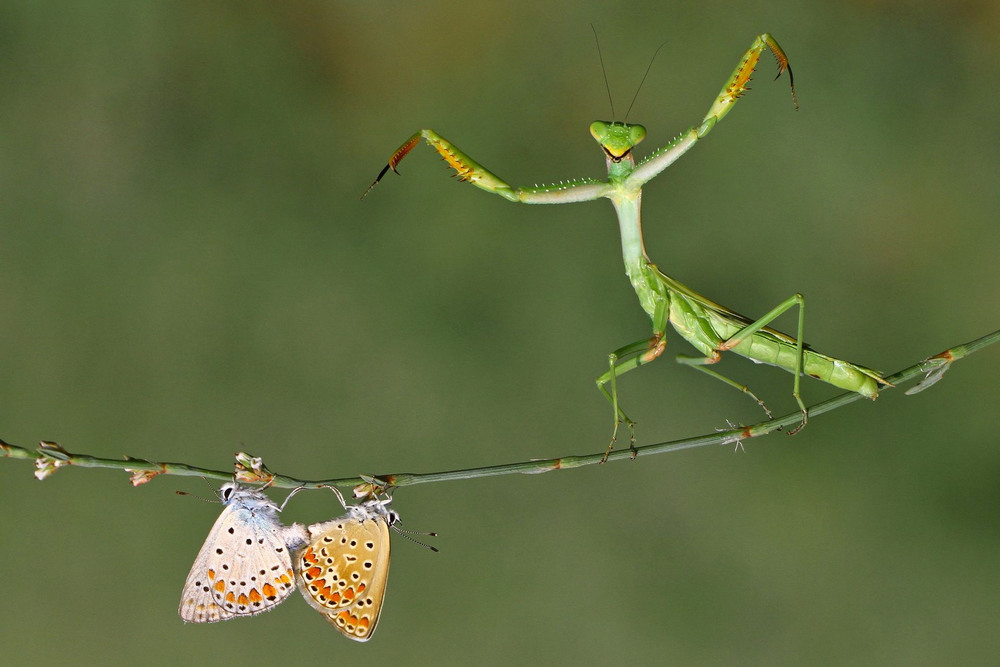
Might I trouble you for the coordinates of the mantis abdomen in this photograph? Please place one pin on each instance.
(707, 330)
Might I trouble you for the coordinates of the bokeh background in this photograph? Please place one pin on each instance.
(186, 271)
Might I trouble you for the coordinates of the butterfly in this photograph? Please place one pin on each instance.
(343, 568)
(245, 565)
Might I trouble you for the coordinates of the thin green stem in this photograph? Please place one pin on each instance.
(49, 456)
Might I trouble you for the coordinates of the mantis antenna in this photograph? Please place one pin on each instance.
(648, 67)
(604, 71)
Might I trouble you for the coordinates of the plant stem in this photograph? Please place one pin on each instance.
(50, 456)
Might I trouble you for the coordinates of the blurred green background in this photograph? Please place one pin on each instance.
(186, 271)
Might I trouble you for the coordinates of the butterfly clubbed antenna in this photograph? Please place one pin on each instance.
(369, 491)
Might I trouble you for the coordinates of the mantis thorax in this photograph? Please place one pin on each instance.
(617, 139)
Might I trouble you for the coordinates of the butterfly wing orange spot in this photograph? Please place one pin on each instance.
(220, 586)
(230, 597)
(269, 591)
(255, 596)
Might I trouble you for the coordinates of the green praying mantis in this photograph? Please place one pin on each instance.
(711, 328)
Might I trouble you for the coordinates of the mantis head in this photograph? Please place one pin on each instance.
(617, 139)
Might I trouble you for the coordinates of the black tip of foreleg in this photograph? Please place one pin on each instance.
(377, 179)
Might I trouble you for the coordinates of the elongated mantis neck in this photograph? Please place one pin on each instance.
(627, 204)
(633, 250)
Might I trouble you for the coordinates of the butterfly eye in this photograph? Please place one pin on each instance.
(226, 493)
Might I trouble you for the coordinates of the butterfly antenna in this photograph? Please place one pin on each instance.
(408, 534)
(604, 71)
(648, 67)
(196, 497)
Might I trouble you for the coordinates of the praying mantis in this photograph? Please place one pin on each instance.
(711, 328)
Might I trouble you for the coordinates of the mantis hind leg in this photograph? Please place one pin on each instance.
(772, 346)
(701, 363)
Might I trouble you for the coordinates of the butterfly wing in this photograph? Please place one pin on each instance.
(244, 567)
(343, 572)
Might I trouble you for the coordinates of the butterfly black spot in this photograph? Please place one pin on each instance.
(368, 565)
(263, 572)
(355, 576)
(279, 549)
(225, 566)
(249, 541)
(231, 531)
(218, 551)
(370, 545)
(204, 589)
(243, 583)
(354, 543)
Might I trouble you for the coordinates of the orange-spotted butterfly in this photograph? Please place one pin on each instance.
(343, 568)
